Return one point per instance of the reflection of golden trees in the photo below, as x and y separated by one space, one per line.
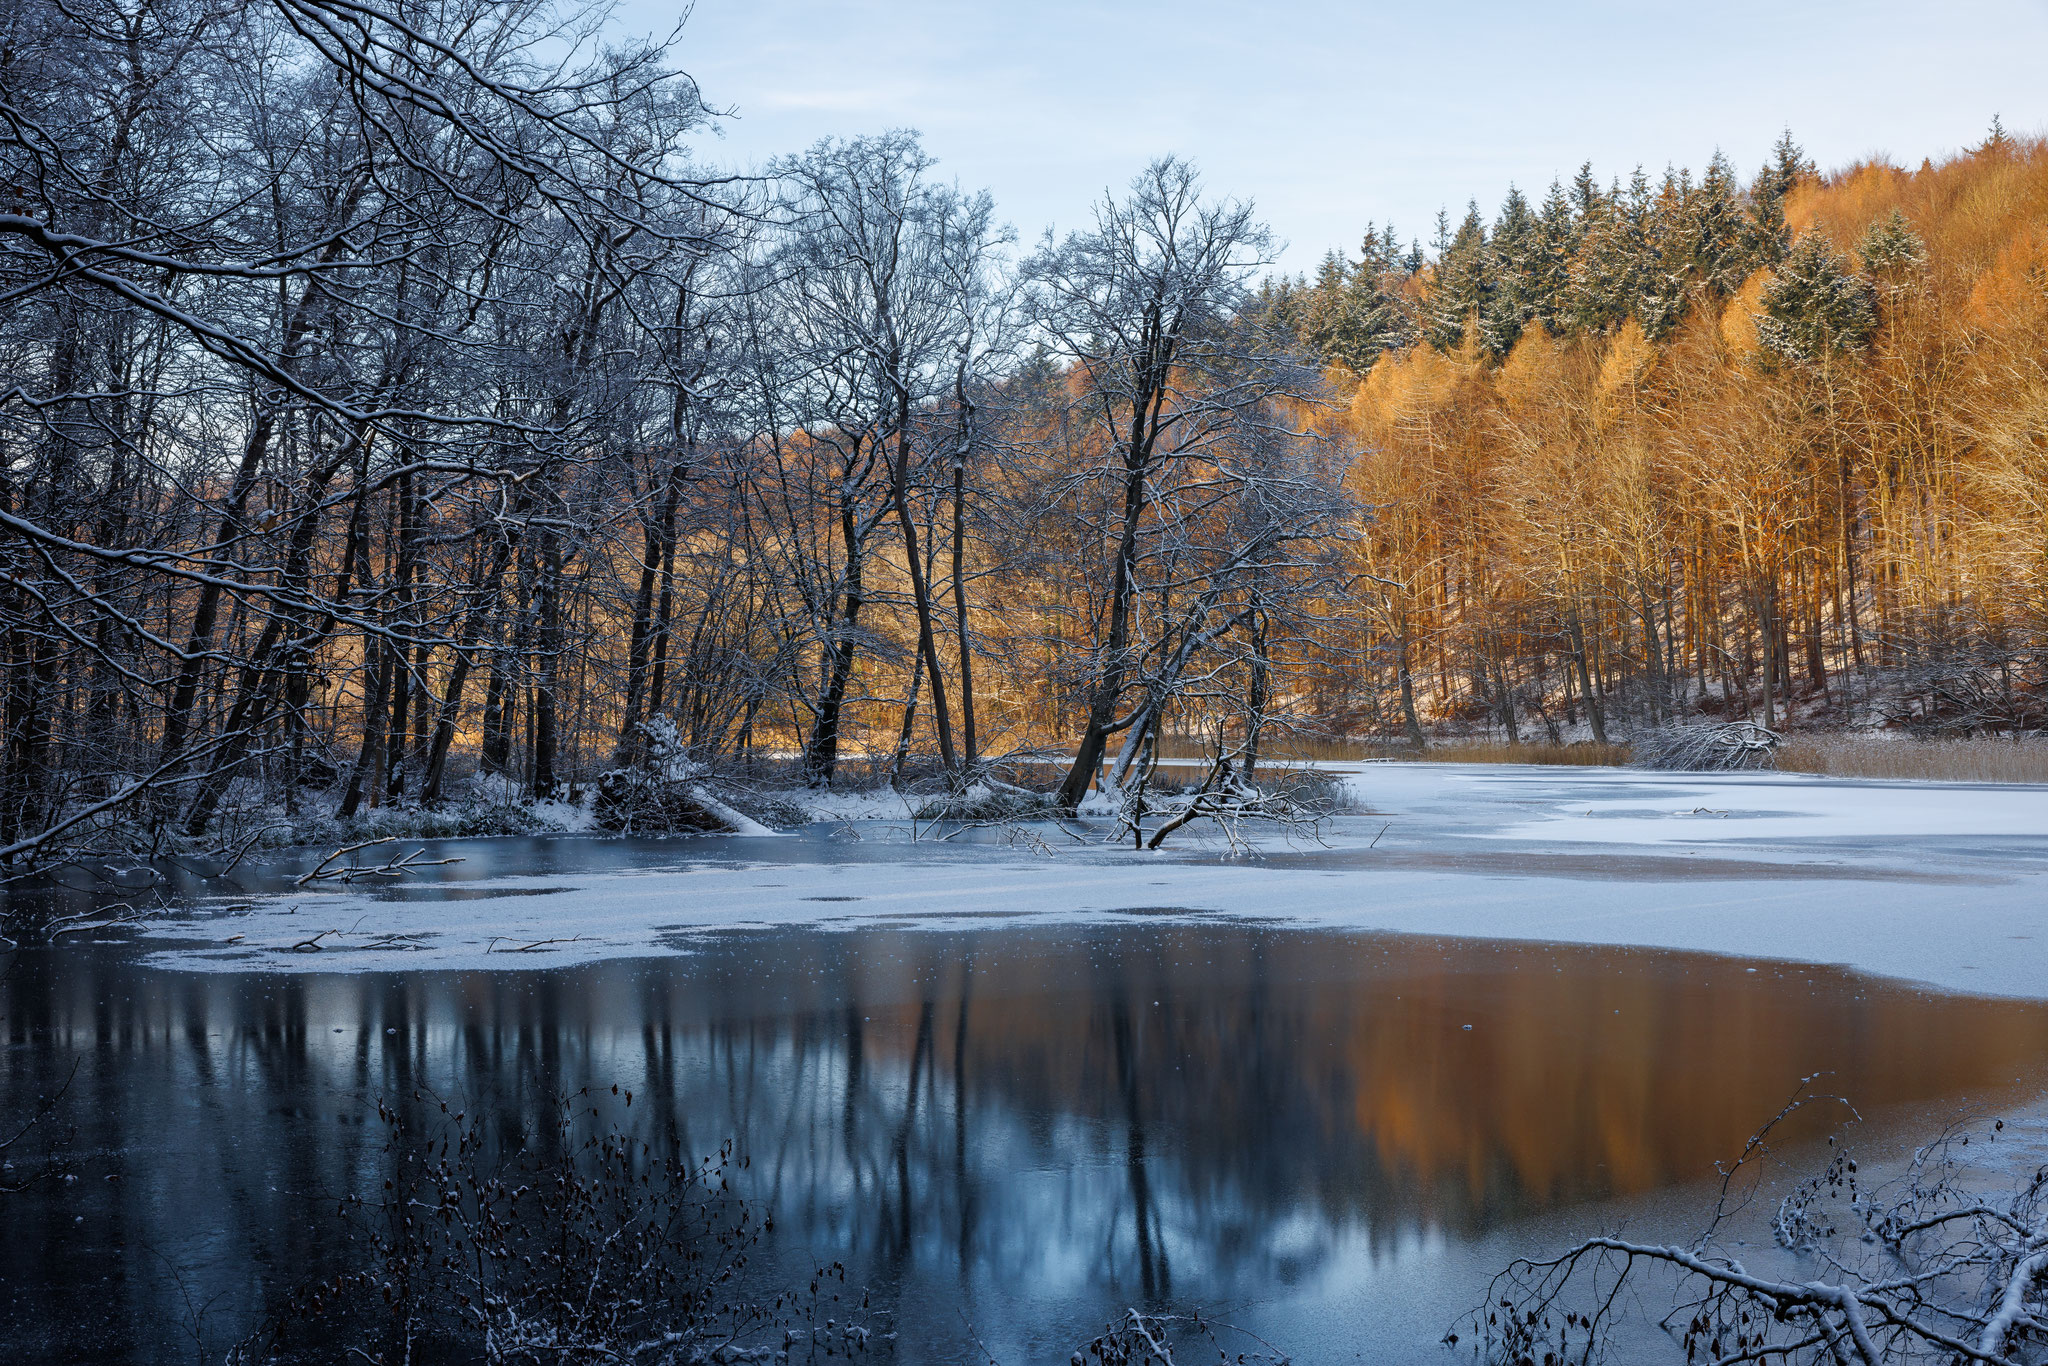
1149 1108
1345 1062
1601 520
1262 1067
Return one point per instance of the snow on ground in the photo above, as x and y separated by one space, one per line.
1626 807
1945 884
878 804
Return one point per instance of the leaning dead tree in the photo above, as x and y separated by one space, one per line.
1937 1265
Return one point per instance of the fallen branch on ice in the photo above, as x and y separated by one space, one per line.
323 872
492 947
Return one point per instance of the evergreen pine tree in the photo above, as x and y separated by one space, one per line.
1459 290
1323 327
1586 196
1351 313
1279 303
1716 240
1815 306
1662 279
1558 235
1789 162
1384 319
1891 252
1769 237
1514 269
1608 272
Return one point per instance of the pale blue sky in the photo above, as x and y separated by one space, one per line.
1330 115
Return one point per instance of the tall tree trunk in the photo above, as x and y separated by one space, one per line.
969 746
821 751
1409 718
920 589
1109 684
496 755
370 758
1768 629
902 754
1596 714
547 674
481 610
657 549
1258 693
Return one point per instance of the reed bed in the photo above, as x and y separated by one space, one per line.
2023 760
1296 750
2018 760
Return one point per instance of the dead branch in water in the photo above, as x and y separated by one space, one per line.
105 918
396 868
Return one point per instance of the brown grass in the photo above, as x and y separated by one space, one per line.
1969 761
1845 756
1299 750
1582 754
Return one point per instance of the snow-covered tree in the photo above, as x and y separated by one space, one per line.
1815 306
1460 285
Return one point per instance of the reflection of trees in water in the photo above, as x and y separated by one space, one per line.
1128 1115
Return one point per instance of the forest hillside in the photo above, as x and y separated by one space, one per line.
1678 446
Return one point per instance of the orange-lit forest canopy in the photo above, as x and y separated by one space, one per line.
1662 448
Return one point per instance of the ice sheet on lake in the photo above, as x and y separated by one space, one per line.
1940 883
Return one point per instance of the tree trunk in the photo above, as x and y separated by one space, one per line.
480 612
920 589
821 751
969 750
1109 684
1596 715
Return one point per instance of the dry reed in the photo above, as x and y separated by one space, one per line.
1857 756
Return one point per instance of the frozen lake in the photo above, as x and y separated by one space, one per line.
1321 1093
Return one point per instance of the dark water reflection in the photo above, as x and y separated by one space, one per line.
1017 1128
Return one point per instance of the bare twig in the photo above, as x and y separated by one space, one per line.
1926 1268
492 947
394 869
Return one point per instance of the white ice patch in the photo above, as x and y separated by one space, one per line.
1885 877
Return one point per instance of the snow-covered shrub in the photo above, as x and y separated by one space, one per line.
1313 789
1297 801
982 804
631 800
772 809
1729 747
